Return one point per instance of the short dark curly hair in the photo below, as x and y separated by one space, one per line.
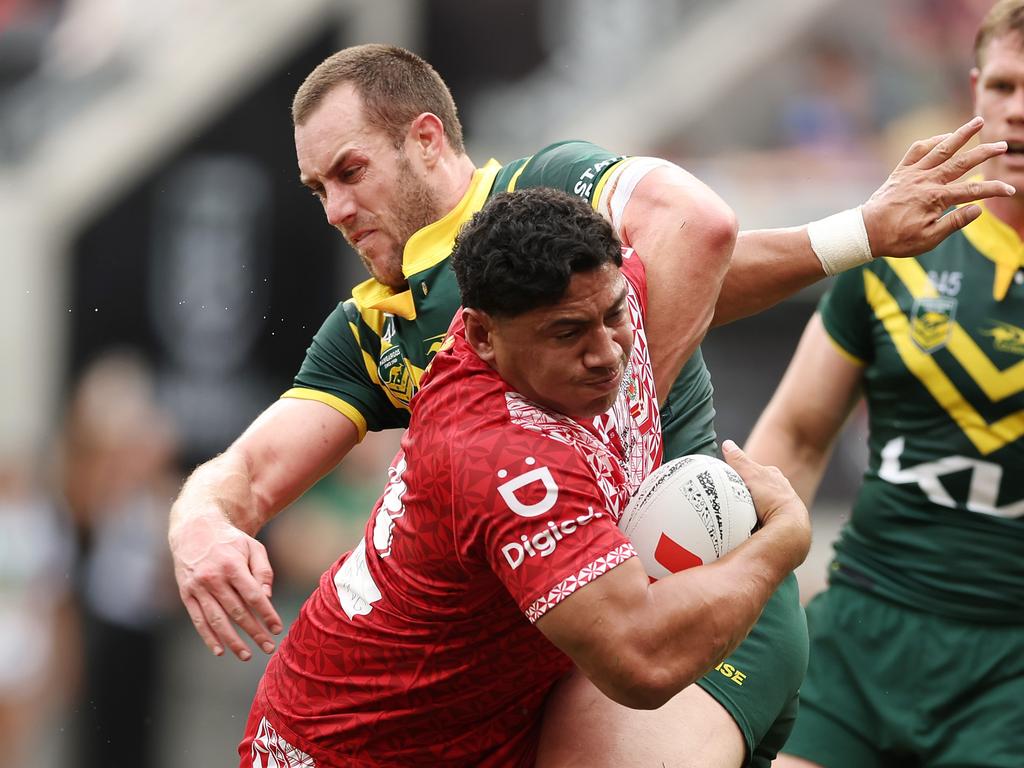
520 251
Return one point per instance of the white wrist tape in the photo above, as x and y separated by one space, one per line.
840 241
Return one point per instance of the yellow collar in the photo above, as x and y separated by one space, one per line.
999 243
373 295
427 247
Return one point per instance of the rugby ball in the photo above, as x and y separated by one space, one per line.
690 511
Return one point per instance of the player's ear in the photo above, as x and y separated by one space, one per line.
479 332
426 134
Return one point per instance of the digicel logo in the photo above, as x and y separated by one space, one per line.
530 494
543 542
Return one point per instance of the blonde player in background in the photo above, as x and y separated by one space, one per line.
917 646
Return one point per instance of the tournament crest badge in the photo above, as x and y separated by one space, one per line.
931 322
395 375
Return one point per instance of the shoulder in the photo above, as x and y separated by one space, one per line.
574 166
460 393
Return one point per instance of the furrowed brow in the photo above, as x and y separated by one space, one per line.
337 161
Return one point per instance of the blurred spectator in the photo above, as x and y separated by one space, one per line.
38 637
118 477
937 38
833 111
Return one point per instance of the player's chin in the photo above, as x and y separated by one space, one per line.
589 405
388 271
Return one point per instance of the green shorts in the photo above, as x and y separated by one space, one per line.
890 686
759 682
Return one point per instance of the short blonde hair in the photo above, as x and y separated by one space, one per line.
395 85
1005 17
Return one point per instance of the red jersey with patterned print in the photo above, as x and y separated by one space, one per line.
419 648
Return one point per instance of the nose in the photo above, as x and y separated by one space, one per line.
605 350
339 205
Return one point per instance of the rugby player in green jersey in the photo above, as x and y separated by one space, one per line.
917 645
379 144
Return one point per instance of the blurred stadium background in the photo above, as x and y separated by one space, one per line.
161 273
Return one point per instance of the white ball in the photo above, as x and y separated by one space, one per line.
690 511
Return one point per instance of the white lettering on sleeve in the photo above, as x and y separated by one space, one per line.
356 588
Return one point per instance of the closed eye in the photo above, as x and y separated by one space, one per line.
352 173
568 335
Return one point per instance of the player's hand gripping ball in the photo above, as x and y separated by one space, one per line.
690 511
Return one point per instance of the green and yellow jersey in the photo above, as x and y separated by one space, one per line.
367 359
938 524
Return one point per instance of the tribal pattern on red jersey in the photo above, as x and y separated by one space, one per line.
418 648
269 750
570 584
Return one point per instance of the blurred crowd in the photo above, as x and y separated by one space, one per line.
86 590
57 55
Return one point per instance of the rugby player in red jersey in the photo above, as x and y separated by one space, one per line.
492 562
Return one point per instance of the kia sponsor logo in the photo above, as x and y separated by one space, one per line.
545 541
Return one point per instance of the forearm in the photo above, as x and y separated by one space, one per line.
220 490
768 265
642 643
802 460
696 617
906 216
289 447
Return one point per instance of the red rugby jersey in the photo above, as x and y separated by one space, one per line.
418 647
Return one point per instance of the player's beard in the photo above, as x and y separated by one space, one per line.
415 206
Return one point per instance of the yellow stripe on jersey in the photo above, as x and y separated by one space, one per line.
374 318
595 200
999 243
986 437
515 176
345 409
843 352
369 362
996 384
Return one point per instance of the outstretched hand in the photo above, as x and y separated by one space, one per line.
907 215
